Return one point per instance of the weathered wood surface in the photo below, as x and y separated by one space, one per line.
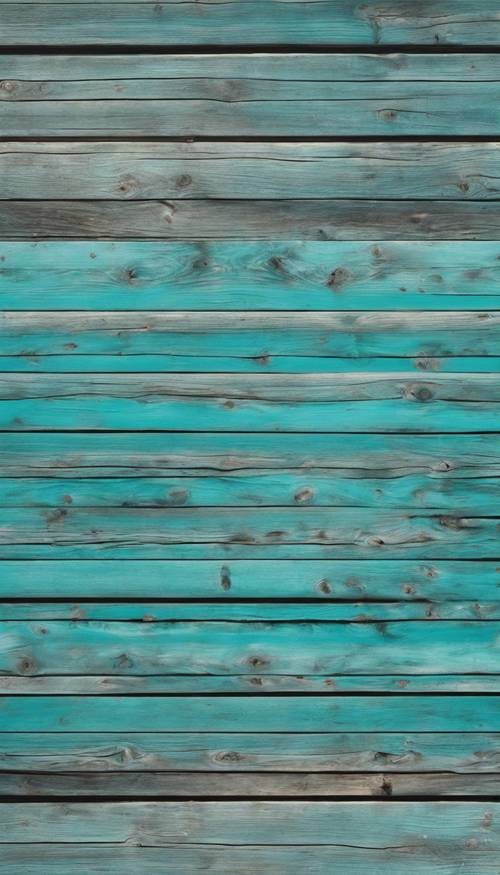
312 402
247 650
256 220
244 107
286 533
261 342
135 170
356 713
327 275
200 785
402 580
265 22
237 752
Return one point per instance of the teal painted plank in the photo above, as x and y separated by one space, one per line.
258 489
120 75
263 714
68 648
257 402
210 108
463 753
250 276
314 579
286 533
277 171
84 455
248 342
264 22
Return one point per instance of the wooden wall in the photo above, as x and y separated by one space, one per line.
249 344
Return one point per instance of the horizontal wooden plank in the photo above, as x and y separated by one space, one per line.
247 107
313 402
328 752
262 342
270 171
247 649
126 859
87 455
258 489
287 533
437 582
327 275
71 76
410 713
202 785
256 220
265 22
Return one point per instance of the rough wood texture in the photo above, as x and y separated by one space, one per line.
264 22
135 170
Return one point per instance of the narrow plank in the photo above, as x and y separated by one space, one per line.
328 752
200 785
410 713
312 402
207 107
86 455
286 533
436 581
327 275
213 341
243 220
266 22
276 647
458 494
273 171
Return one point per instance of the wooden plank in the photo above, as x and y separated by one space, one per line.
248 649
266 22
436 581
312 402
410 713
203 533
257 489
264 341
200 785
273 171
185 860
256 220
327 275
329 752
86 455
205 107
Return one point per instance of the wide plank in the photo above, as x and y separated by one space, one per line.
261 342
287 533
372 579
312 402
307 275
134 170
327 752
251 219
409 713
246 648
265 22
204 107
117 454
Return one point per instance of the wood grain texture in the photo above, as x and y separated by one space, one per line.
265 22
134 170
327 275
249 219
313 402
392 580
